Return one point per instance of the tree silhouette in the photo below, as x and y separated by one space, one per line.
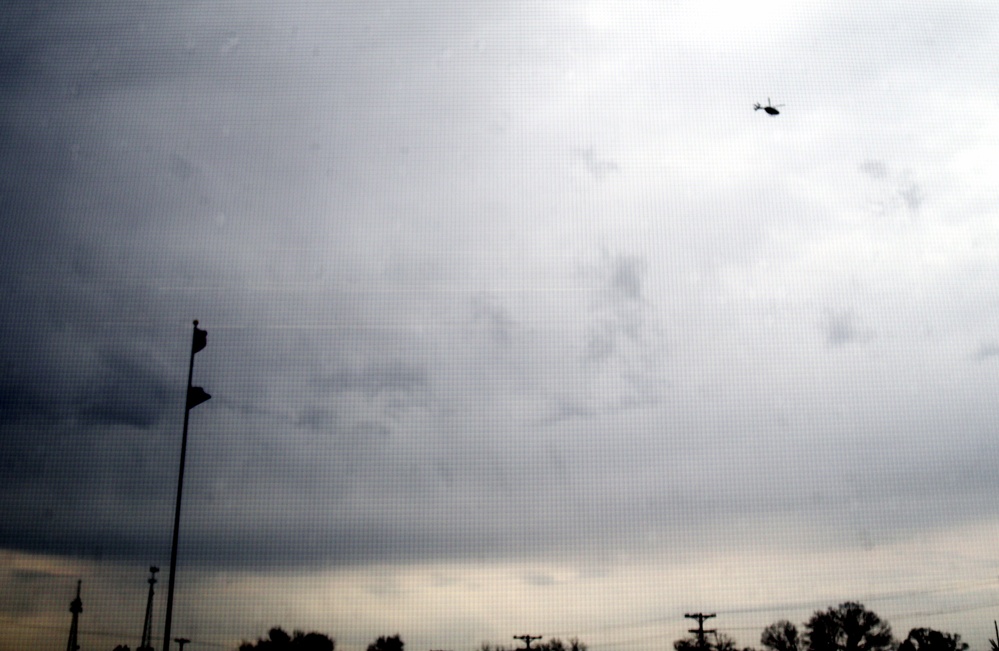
392 643
782 635
279 640
848 627
485 646
927 639
725 642
722 642
686 644
556 644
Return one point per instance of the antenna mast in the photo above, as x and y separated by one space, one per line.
147 626
75 607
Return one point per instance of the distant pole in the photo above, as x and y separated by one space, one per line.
181 641
700 617
195 396
147 624
75 607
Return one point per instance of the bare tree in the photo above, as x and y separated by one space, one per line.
782 635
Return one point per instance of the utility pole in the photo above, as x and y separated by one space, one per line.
195 396
527 639
700 617
181 641
147 625
75 607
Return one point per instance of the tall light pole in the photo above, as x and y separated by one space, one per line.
195 396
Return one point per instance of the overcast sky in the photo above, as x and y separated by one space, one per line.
520 318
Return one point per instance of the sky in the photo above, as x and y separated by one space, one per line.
520 319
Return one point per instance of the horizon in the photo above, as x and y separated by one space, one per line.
744 624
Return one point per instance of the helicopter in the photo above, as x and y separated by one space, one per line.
771 110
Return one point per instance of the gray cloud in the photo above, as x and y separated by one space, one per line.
626 279
842 328
874 168
597 166
912 194
987 350
393 377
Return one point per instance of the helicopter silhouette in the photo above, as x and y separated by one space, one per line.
771 110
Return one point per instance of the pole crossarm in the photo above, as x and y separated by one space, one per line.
527 639
700 631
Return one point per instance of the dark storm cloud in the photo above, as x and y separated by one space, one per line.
99 376
127 393
34 165
416 350
23 45
120 392
18 400
85 489
73 51
70 359
85 349
267 507
90 371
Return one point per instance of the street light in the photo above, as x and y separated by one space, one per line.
195 396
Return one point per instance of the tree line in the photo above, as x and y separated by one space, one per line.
846 627
278 640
